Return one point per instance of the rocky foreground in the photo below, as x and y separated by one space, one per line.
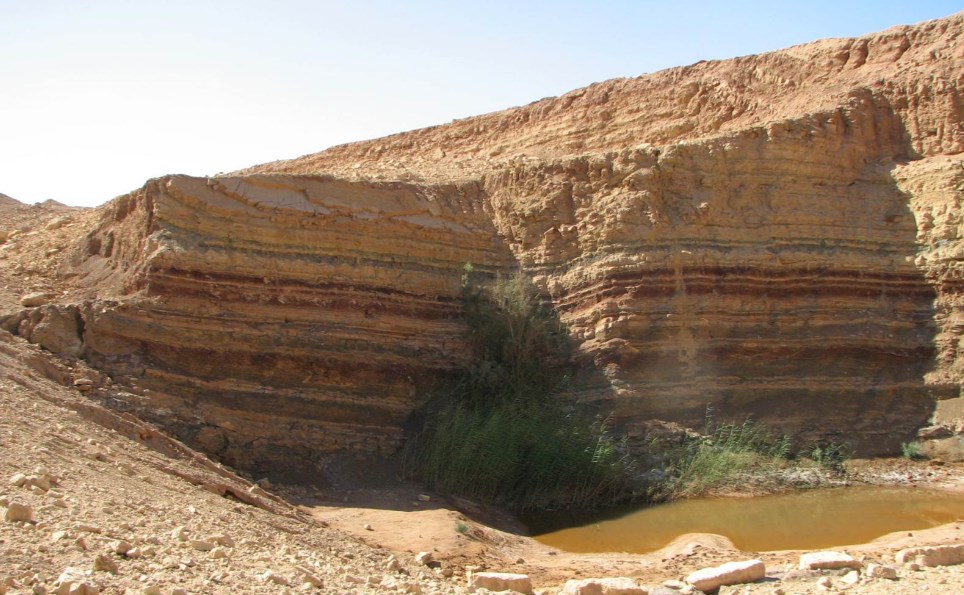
100 502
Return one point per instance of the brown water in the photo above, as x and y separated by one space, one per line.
811 519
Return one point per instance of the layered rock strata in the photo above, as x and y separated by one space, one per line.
276 318
774 236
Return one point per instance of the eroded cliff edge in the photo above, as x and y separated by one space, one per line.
775 235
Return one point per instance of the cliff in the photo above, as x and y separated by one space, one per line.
774 235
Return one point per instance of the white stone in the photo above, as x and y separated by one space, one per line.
18 512
500 581
731 573
936 555
120 547
73 581
603 586
18 479
828 560
880 571
851 578
424 558
36 299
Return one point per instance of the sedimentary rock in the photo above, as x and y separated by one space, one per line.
603 586
828 560
938 555
775 236
731 573
500 581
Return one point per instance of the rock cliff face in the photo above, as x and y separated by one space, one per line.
776 236
276 318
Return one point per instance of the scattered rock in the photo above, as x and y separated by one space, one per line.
73 581
392 564
310 578
57 223
731 573
18 512
938 555
851 578
880 571
202 545
83 384
120 547
103 563
424 558
603 586
269 576
500 581
180 533
824 583
828 560
32 300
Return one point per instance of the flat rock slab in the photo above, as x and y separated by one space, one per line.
603 586
828 560
937 555
731 573
500 581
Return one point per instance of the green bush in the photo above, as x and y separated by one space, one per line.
911 450
722 457
500 435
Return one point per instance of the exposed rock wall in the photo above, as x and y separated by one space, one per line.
775 236
270 319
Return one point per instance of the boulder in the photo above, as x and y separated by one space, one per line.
603 586
58 331
880 571
731 573
828 560
18 513
937 555
500 581
37 298
73 581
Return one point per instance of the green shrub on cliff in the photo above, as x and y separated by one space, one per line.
501 435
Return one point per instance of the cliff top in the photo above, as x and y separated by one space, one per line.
679 104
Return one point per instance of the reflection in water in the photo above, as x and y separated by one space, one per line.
800 520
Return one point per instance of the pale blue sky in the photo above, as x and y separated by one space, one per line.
99 95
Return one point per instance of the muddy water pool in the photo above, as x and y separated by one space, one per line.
812 519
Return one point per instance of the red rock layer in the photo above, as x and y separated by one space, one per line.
276 319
